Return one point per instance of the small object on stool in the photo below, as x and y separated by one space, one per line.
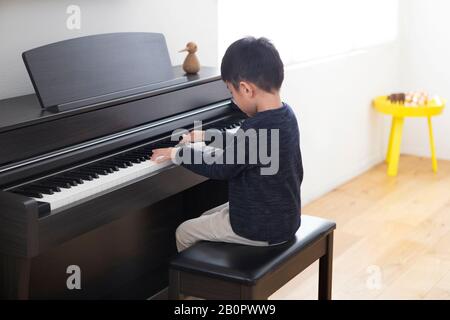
216 270
397 98
191 65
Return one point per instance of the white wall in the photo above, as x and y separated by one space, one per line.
341 135
25 24
425 64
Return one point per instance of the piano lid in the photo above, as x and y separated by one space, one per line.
95 69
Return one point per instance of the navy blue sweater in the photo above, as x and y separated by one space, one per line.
263 207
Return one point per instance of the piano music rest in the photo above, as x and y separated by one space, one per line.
216 270
98 69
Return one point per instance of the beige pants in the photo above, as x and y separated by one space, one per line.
213 225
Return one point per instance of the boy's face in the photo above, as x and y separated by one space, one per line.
244 97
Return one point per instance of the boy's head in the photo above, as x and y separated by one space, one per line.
252 68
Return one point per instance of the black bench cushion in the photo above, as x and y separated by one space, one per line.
246 264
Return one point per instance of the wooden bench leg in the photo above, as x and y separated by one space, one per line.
326 270
174 285
251 293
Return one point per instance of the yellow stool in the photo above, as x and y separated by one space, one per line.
398 113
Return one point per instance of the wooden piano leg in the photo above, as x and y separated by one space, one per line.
14 277
174 285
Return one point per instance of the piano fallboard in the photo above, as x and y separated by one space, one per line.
26 132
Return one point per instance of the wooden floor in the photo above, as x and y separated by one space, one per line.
392 239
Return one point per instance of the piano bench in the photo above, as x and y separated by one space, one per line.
215 270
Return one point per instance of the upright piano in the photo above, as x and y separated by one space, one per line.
77 186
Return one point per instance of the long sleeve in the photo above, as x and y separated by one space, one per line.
216 163
226 136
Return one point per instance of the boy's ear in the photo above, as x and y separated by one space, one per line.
246 88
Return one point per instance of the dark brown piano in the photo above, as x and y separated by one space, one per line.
77 187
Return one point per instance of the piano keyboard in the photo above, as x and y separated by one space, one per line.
81 184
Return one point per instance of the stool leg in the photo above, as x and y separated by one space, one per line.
326 270
391 134
394 156
174 285
432 146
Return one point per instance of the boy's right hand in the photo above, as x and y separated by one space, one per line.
193 136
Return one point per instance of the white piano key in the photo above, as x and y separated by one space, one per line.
233 131
105 183
69 197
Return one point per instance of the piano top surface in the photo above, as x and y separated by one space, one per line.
25 110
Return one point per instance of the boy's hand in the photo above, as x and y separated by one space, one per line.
163 155
193 136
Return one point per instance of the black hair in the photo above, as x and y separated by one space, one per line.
253 60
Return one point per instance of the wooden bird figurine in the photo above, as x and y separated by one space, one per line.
191 65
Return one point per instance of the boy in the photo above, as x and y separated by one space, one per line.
263 209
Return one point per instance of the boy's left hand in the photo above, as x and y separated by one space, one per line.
162 155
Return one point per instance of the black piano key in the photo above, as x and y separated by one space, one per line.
137 154
120 164
131 159
85 172
110 168
122 157
141 155
61 182
83 176
73 181
149 153
104 165
145 158
137 158
96 169
44 190
101 171
147 149
167 144
127 163
97 165
82 170
31 194
116 165
78 177
47 185
151 147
